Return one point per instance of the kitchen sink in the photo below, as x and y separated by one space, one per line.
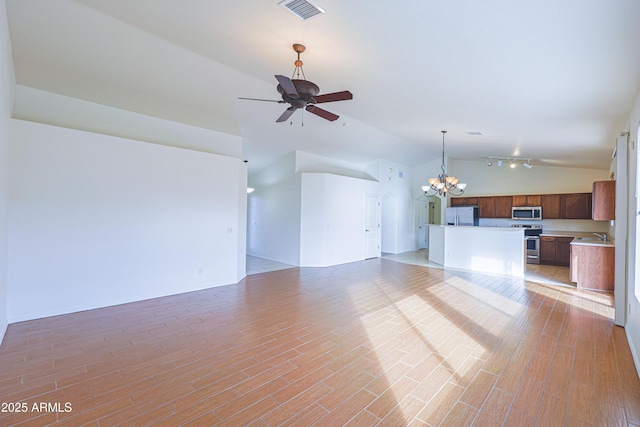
588 239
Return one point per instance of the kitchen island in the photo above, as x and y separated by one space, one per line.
497 250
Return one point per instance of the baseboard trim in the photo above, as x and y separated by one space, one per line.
634 352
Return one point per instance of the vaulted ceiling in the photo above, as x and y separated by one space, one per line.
550 80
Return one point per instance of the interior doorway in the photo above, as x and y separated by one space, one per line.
427 212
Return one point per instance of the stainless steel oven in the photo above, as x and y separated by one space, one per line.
533 249
532 239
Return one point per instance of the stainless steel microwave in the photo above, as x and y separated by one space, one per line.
530 213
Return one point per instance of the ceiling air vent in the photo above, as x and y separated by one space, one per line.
303 9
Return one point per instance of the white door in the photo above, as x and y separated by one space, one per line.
372 226
423 224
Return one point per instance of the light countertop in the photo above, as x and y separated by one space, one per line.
577 235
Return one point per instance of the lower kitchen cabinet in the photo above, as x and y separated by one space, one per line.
555 250
592 267
547 250
563 250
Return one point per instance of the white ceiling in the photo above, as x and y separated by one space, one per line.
549 80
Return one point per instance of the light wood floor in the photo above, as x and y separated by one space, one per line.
367 343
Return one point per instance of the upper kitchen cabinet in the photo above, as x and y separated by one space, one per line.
574 206
502 206
550 206
528 200
464 201
486 207
604 200
495 207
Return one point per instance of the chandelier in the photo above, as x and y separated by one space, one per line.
444 184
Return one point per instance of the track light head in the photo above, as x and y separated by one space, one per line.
489 162
499 162
528 164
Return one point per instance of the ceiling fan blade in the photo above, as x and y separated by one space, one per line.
266 100
345 95
287 113
288 86
322 113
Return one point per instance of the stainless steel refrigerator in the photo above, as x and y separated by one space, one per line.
463 215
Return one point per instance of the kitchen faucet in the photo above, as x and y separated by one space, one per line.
602 236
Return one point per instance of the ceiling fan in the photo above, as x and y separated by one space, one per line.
301 93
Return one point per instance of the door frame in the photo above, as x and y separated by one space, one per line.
378 230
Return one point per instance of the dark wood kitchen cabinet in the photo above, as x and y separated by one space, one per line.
574 206
486 207
502 206
494 207
604 200
527 200
547 249
550 206
554 206
563 250
464 201
555 250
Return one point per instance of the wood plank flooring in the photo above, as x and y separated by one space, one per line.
369 343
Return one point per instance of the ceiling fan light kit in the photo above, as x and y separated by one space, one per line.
301 93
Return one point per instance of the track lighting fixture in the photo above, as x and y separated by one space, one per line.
513 161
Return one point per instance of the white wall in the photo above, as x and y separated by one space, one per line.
273 228
96 220
483 180
313 163
36 105
7 84
397 208
276 213
332 219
